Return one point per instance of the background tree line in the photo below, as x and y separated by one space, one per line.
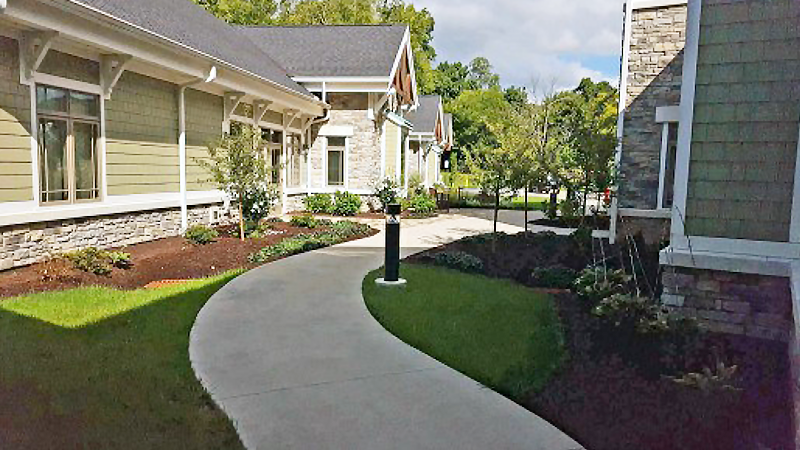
564 140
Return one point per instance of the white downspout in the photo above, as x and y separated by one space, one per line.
212 75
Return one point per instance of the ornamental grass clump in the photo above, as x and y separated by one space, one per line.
461 261
301 243
200 234
97 261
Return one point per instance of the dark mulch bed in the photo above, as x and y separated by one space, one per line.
595 222
605 400
172 258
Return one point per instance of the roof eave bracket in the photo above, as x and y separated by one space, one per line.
33 47
111 69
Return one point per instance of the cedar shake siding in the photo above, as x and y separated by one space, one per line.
15 137
745 127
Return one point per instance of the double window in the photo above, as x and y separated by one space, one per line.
68 129
273 140
337 149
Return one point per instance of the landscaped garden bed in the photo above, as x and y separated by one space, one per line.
172 258
632 377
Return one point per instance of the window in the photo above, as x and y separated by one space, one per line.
68 129
274 145
336 155
669 151
295 161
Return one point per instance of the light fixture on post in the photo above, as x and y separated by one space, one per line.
391 275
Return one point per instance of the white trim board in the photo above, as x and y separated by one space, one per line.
336 130
621 107
760 265
646 213
668 114
745 247
794 227
29 212
686 117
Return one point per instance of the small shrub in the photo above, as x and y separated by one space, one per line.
120 260
274 220
200 234
259 230
259 200
386 191
318 203
583 239
340 232
596 283
346 204
90 259
304 221
461 261
719 379
422 204
557 277
627 312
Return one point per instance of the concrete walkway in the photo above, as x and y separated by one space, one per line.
292 355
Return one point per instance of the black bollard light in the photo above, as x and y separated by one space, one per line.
392 258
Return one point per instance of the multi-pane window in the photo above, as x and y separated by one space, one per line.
273 141
68 129
336 153
295 162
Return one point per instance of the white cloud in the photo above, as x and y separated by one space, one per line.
554 42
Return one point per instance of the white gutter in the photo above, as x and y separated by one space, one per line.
212 75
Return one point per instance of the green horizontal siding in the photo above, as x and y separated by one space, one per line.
16 182
204 115
745 130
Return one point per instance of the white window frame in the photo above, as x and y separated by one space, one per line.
345 174
72 85
666 116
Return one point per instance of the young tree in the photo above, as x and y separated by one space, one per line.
236 163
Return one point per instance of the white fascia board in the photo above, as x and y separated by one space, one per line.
365 79
648 4
28 212
96 29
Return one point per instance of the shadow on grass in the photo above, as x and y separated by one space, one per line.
124 381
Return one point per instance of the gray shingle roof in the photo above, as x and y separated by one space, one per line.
337 50
424 117
184 22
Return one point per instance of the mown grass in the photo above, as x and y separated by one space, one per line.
498 333
115 364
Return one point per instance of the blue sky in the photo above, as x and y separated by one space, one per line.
550 44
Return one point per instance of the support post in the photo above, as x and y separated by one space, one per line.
392 257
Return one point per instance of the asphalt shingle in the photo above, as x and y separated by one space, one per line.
424 117
330 50
188 24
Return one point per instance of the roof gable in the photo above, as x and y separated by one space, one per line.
190 25
331 50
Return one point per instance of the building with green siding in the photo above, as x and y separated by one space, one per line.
718 168
106 106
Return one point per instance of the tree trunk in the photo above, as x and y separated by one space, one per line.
526 209
241 219
496 208
553 208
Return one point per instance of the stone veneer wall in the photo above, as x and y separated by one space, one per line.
21 245
653 230
655 68
754 305
364 161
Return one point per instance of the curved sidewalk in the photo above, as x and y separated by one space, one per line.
292 355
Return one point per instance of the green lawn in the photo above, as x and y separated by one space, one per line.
499 333
101 368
